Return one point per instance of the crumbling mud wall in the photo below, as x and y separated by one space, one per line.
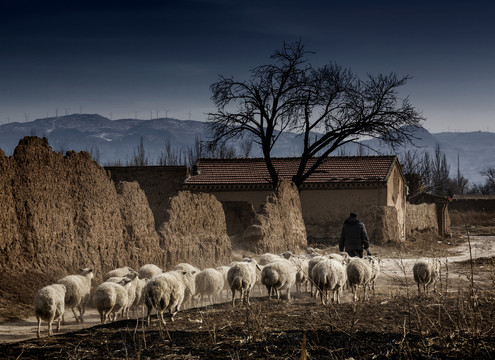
386 226
381 224
60 213
141 242
195 229
421 219
279 225
159 183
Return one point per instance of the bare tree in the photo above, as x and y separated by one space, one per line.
246 148
139 158
489 186
441 182
94 151
289 94
170 155
417 170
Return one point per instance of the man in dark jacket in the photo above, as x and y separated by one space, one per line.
354 238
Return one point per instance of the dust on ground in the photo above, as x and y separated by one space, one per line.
394 323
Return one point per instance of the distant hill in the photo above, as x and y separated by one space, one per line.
112 141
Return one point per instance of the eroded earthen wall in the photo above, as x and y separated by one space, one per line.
279 226
194 229
60 213
159 183
421 218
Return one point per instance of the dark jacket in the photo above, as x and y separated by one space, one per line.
353 236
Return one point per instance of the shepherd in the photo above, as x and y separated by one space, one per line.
354 238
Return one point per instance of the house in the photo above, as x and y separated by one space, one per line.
372 186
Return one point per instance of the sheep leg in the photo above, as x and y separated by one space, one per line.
81 312
102 316
149 314
39 327
50 332
58 323
161 318
233 297
246 296
75 315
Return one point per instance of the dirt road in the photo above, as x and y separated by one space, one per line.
391 269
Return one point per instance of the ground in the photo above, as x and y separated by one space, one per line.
394 323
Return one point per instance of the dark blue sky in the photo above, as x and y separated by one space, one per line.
125 58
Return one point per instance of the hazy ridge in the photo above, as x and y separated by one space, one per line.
117 140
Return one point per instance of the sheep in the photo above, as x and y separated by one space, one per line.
311 264
360 273
301 263
426 273
329 275
77 292
111 298
210 283
267 258
242 277
224 270
139 299
148 271
131 290
189 281
279 275
375 274
49 305
343 257
164 292
119 272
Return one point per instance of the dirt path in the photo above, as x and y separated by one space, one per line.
391 270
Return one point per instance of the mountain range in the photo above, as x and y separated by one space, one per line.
113 142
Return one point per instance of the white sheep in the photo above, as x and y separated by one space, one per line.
329 275
267 258
426 273
375 273
301 262
111 298
131 289
119 272
360 272
224 270
342 257
189 281
49 305
210 283
242 277
311 264
78 288
148 271
164 292
139 299
279 275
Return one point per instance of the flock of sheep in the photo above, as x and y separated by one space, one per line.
125 290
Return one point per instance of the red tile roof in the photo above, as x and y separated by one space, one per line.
336 169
